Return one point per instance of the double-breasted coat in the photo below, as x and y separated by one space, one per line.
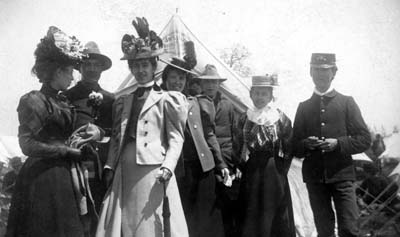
134 201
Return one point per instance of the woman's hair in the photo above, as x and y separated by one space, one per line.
152 60
49 58
169 69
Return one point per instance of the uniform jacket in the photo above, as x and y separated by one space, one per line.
225 120
160 129
202 128
330 116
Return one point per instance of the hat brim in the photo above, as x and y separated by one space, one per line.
273 86
143 55
180 68
210 78
106 61
325 66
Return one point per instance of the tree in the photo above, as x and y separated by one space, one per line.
235 57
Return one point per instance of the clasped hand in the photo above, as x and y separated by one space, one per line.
325 145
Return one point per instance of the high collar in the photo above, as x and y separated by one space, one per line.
331 93
330 89
49 91
148 84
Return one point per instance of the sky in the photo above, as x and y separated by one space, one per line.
281 35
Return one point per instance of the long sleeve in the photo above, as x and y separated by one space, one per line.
207 111
175 116
299 133
238 141
115 133
358 138
32 114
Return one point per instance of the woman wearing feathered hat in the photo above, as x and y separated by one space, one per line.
49 200
146 142
201 154
263 144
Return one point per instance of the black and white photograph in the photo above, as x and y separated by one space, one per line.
212 118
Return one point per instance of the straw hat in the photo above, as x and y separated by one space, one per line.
265 81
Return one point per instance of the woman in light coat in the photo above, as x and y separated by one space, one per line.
147 138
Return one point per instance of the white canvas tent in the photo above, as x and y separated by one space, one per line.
174 34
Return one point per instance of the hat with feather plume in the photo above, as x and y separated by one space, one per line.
188 62
147 45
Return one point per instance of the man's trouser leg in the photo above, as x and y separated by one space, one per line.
321 205
346 208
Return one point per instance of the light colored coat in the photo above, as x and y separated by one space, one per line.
160 129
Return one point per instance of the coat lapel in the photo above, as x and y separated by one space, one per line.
154 97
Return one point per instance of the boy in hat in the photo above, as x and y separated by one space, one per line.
225 121
328 129
93 108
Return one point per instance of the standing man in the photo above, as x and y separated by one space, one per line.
97 109
225 121
328 129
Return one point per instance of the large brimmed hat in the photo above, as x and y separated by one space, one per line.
147 45
323 60
58 47
93 51
265 81
210 73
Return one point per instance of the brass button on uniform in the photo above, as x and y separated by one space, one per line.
322 124
322 110
195 126
190 113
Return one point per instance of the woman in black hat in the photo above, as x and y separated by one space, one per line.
45 201
201 155
263 144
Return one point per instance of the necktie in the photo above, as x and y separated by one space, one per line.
140 90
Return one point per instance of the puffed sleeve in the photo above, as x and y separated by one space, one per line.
175 116
32 113
207 112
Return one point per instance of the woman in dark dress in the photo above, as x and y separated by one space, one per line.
46 200
263 144
200 159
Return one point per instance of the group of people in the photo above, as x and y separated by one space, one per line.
103 166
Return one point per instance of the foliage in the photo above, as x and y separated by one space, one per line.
235 57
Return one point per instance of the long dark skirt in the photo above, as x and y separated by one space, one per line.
265 199
197 190
44 202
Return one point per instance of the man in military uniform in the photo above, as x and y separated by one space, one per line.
97 109
225 122
328 129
